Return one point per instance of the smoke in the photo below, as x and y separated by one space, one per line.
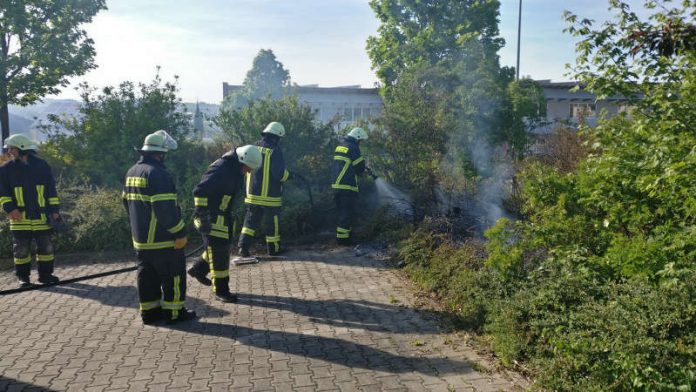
486 183
496 173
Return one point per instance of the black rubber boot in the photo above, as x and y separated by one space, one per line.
49 279
344 241
243 252
24 281
273 252
226 297
152 316
199 276
182 315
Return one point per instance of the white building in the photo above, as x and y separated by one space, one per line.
566 107
349 103
352 103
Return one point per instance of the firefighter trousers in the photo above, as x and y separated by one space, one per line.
216 260
257 216
346 203
162 281
21 249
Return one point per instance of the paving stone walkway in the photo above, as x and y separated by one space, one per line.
322 320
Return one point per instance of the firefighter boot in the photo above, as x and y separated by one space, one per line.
24 281
222 290
344 241
243 252
274 249
182 314
46 272
199 274
226 296
23 271
49 279
152 316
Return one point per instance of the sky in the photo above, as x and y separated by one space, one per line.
208 42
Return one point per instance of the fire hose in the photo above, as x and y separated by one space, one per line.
84 277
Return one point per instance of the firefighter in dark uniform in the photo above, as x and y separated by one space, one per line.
212 198
264 188
28 195
347 165
159 233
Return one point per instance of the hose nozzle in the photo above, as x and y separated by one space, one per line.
371 173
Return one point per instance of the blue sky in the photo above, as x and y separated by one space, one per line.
206 42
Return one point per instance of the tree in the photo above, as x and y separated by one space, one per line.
266 78
430 32
41 45
97 145
444 86
307 146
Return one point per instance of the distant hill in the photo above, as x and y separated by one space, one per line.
26 119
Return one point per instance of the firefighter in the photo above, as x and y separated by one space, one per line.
159 233
212 199
28 195
264 188
347 164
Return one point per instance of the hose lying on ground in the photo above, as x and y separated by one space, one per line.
84 277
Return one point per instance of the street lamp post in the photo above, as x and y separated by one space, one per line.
519 30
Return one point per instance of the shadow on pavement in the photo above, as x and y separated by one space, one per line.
341 352
371 316
10 384
123 296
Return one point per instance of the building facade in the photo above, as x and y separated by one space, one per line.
564 106
347 103
352 103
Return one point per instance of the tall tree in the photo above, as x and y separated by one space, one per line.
266 78
41 45
430 32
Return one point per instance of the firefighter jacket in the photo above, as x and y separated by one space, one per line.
149 196
264 186
347 164
214 193
30 188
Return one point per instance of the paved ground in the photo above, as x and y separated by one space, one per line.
321 320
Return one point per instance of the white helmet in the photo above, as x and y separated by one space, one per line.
249 156
358 133
275 128
159 141
20 141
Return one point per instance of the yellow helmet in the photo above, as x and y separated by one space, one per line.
275 128
20 141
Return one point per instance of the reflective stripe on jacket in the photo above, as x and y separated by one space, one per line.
347 164
30 188
264 186
214 193
149 196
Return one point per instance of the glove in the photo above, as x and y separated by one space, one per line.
370 173
180 243
56 222
202 223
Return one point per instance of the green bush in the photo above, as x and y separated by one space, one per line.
95 217
638 338
96 220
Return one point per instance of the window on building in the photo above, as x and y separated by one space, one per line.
583 110
348 114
